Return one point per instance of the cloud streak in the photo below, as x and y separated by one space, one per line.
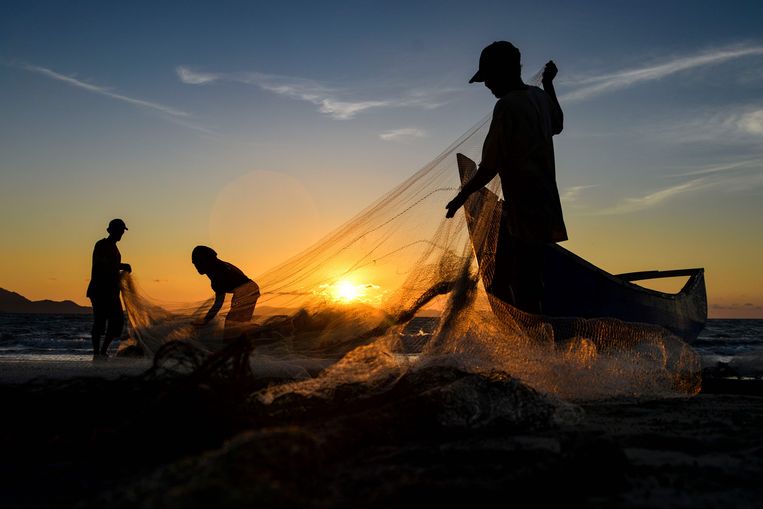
194 78
652 199
732 125
735 177
403 134
572 194
756 163
174 115
751 122
327 99
106 91
596 85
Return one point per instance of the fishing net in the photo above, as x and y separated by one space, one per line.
398 288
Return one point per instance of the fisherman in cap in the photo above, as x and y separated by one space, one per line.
103 290
519 148
226 278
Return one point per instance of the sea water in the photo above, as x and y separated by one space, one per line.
67 338
45 337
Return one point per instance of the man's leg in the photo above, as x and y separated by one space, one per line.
241 310
504 269
116 323
99 326
518 276
107 339
528 276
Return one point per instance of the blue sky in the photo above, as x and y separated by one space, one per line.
140 109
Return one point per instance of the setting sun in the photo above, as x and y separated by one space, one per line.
345 291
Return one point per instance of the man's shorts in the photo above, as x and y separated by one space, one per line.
518 277
107 308
243 302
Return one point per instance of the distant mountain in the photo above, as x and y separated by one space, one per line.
12 302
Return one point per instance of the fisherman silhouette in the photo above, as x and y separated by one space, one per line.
103 290
226 278
519 148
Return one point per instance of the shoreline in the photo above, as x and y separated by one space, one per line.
15 371
19 371
439 436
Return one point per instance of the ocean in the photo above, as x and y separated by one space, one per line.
42 337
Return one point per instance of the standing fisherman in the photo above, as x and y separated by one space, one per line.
103 290
520 149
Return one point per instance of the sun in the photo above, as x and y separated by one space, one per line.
346 291
349 291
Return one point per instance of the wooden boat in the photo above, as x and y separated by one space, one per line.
575 288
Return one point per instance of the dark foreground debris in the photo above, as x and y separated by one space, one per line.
437 436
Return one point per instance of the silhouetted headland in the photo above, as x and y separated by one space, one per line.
12 302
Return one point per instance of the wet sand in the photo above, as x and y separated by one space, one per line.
440 437
21 371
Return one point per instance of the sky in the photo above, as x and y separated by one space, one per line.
189 119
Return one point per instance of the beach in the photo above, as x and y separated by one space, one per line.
21 370
437 436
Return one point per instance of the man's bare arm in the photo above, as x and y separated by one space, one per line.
557 116
478 181
219 299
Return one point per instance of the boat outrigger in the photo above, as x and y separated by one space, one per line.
575 288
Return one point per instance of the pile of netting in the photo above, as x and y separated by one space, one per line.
398 288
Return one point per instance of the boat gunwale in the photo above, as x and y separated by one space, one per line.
685 292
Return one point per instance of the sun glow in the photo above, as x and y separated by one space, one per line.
346 291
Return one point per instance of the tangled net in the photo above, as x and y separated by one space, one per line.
397 288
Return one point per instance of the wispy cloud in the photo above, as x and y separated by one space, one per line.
194 78
635 204
735 177
756 163
572 194
331 101
596 85
403 134
106 91
171 114
737 125
751 122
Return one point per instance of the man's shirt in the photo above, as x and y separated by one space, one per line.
519 146
226 277
104 277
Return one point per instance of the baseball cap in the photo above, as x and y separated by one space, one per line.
117 224
498 56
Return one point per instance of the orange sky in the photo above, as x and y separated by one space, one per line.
202 131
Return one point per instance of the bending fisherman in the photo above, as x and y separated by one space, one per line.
226 278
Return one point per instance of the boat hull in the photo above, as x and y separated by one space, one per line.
575 288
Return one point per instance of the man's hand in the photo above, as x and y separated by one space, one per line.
454 204
550 71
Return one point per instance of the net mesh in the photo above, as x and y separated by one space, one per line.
398 288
